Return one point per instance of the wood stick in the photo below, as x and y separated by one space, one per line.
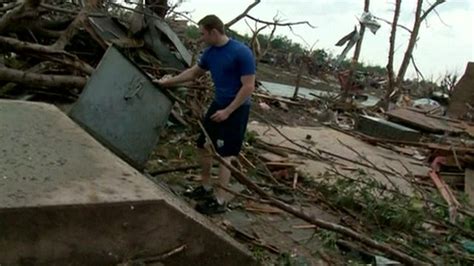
158 257
177 169
276 99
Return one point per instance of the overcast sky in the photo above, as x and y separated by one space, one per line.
446 43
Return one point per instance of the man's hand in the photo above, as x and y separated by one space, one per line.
163 81
220 115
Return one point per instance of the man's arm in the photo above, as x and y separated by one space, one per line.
248 86
187 75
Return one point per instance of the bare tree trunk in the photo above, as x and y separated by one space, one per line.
413 37
393 33
269 42
41 80
411 43
298 81
358 47
357 50
255 43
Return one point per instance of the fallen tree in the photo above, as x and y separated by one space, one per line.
41 80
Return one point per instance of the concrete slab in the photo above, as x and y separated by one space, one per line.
327 139
66 199
381 128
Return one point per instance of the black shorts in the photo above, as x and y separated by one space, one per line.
228 135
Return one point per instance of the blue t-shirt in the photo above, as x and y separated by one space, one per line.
227 64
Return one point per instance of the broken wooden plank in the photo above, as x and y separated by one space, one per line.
469 184
277 150
271 157
246 161
275 98
423 122
282 164
446 193
262 208
304 226
428 145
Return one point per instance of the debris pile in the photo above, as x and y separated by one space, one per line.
325 178
361 185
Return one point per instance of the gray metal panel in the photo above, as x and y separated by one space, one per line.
107 28
153 41
122 108
183 51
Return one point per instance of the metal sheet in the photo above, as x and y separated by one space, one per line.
122 108
161 50
165 28
107 28
153 40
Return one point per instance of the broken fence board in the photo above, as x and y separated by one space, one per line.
469 185
423 122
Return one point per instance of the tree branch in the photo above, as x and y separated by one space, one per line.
46 32
269 41
390 23
416 67
280 24
41 80
59 9
42 51
239 17
9 7
431 8
71 30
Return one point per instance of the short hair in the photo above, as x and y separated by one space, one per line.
211 22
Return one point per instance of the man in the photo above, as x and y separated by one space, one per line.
232 68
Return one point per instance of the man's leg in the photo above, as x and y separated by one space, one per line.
224 178
206 165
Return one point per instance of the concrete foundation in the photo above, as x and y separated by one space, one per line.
67 200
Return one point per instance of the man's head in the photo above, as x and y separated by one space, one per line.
212 29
